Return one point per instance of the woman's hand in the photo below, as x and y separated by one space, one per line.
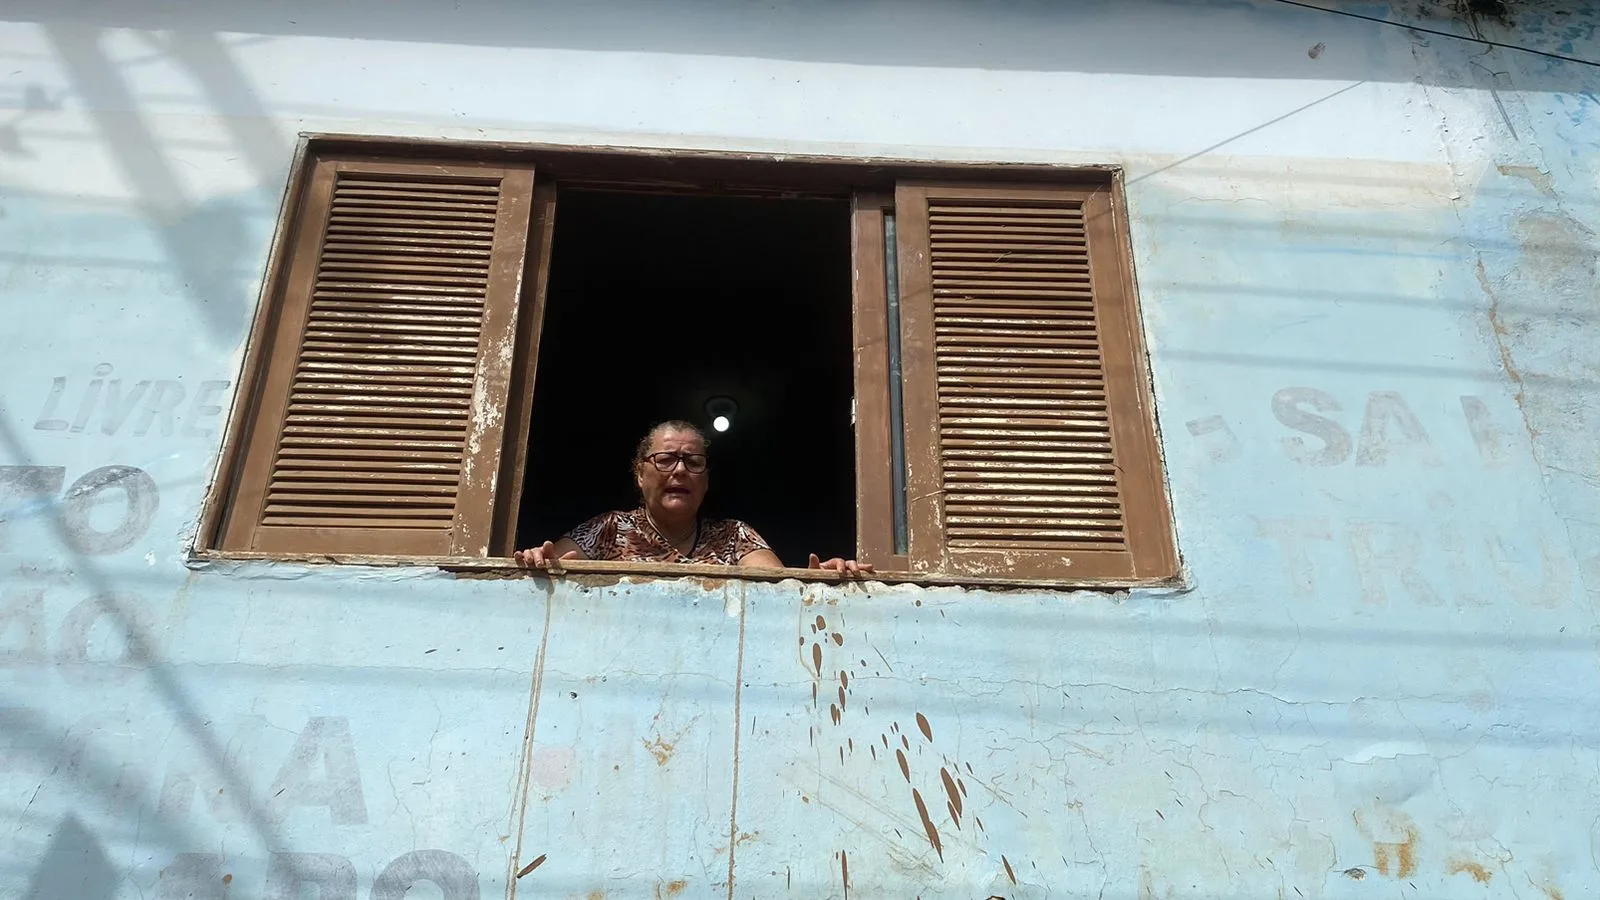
544 556
843 566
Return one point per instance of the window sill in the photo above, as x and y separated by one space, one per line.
604 572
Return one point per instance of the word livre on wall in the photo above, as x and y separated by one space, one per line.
107 404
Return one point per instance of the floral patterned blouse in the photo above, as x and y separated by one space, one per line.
630 536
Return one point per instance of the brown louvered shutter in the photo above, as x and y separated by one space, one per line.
378 428
1030 437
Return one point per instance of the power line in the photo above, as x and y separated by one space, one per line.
1251 130
1460 37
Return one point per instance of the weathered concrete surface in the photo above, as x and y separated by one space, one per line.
1367 260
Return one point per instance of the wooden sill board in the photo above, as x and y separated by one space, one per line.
589 571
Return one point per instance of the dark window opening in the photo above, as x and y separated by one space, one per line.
658 303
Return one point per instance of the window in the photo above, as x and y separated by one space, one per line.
442 363
657 303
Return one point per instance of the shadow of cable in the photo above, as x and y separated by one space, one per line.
206 242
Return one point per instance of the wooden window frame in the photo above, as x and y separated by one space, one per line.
869 183
875 541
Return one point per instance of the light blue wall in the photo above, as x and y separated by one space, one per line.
1367 261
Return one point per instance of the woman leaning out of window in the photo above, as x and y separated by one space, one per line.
671 471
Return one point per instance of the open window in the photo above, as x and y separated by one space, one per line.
659 304
941 376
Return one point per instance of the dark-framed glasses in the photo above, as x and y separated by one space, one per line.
668 460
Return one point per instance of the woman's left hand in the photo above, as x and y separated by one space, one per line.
843 566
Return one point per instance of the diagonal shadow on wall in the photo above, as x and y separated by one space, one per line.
74 867
93 775
209 244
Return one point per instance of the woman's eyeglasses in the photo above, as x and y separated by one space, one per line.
666 461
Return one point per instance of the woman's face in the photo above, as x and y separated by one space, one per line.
676 493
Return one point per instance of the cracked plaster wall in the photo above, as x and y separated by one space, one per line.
1367 263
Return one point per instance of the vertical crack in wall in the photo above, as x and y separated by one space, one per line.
525 774
1498 331
738 684
1542 254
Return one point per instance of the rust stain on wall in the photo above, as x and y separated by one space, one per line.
1468 867
659 749
1399 856
1394 842
1405 853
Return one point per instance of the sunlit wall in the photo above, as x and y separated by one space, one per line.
1366 257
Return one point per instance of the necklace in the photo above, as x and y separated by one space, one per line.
661 532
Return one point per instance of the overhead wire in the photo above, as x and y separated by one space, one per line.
1441 33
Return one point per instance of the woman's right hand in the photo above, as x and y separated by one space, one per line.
543 556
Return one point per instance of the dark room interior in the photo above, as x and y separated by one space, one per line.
658 303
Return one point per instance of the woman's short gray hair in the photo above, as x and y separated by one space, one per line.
669 425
